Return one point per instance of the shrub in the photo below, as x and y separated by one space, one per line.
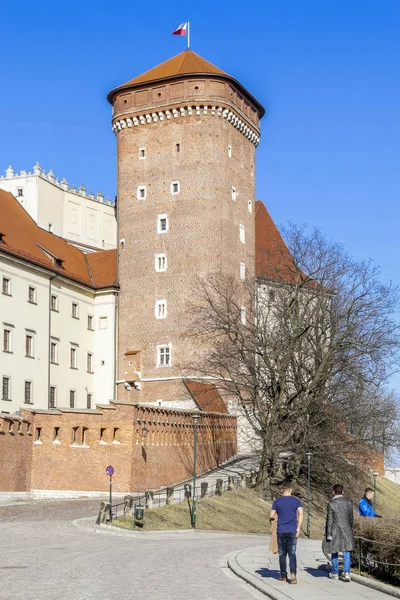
378 559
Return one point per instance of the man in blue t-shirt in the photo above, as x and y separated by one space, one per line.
290 517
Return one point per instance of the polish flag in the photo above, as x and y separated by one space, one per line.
181 29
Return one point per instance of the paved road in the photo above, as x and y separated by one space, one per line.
44 556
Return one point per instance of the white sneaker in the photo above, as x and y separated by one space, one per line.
334 576
347 577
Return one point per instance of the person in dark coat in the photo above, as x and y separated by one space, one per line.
339 531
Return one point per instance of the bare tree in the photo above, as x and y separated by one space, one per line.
305 349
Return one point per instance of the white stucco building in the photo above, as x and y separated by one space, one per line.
84 219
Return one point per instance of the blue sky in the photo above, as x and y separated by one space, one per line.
326 70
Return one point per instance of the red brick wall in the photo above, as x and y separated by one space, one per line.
15 454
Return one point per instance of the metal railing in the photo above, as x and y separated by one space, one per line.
369 563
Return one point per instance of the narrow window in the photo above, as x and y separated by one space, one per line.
116 435
72 398
50 227
102 435
6 388
7 340
89 362
84 436
103 322
142 152
175 188
6 286
29 346
161 263
73 358
75 435
54 303
242 233
56 434
161 309
162 224
88 400
32 295
20 192
28 392
250 206
229 151
38 433
52 399
54 353
141 192
164 356
177 148
75 310
242 271
243 315
90 322
234 193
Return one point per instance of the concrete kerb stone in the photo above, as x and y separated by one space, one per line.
371 583
261 586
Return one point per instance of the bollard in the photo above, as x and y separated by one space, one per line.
170 495
149 498
188 490
243 482
204 489
230 484
218 487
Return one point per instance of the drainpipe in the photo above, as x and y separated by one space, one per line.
115 362
49 344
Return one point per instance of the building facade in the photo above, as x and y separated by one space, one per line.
83 218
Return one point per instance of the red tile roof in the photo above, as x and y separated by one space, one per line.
24 238
273 259
206 396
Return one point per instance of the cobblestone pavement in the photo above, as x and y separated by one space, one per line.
45 557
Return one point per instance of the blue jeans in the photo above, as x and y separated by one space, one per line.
335 562
287 543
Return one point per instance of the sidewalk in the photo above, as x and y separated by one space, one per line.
259 567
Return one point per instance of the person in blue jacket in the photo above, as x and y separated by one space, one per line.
366 506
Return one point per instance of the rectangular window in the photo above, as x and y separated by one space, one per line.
234 193
243 315
56 434
230 151
54 303
38 433
90 322
6 388
141 192
52 398
32 295
242 233
6 286
75 310
72 398
73 358
242 271
142 152
161 263
250 206
175 188
7 340
28 392
20 192
103 322
88 400
54 353
162 224
161 309
89 362
29 346
164 356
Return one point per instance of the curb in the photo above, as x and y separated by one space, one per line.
261 586
371 583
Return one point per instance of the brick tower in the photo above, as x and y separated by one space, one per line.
186 139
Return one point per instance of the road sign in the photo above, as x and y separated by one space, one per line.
110 470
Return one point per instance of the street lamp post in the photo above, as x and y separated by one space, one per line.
375 476
309 455
193 515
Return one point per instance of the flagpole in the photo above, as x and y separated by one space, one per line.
188 34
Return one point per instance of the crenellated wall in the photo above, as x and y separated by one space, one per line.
15 454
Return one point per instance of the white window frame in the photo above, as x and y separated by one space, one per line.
234 193
53 296
53 387
18 192
140 189
90 325
229 151
160 349
31 344
30 401
250 206
75 309
55 345
10 339
142 150
74 397
160 309
73 357
242 271
34 295
178 185
160 262
89 362
243 315
159 219
242 233
9 387
89 395
6 286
